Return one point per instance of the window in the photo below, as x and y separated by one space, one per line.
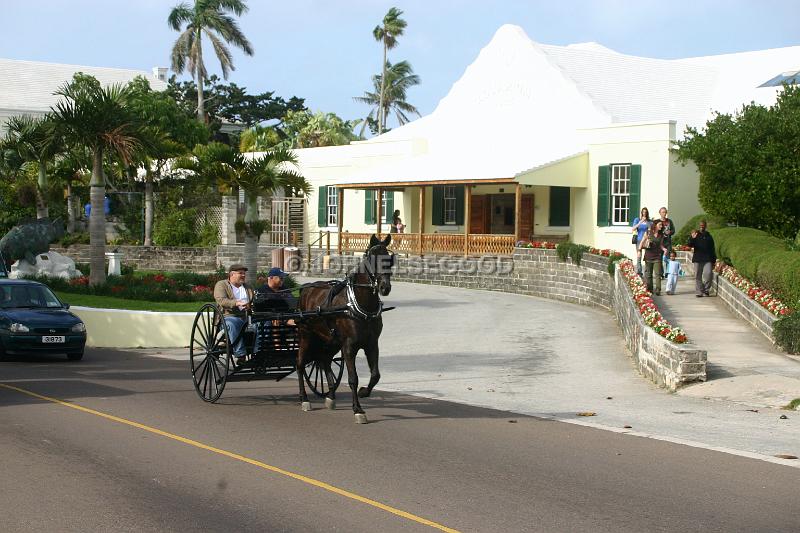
371 206
333 207
620 194
449 204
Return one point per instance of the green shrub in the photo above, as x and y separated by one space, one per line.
763 259
713 222
208 235
74 238
787 332
570 249
176 228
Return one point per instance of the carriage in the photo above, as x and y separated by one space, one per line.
271 341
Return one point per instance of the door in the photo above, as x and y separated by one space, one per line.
479 214
525 230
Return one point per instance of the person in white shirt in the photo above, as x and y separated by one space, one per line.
673 271
234 296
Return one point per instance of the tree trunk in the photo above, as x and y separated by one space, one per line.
97 222
148 209
70 209
250 240
41 189
381 117
201 105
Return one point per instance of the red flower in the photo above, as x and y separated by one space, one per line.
116 288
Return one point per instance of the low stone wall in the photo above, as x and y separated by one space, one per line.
663 362
537 272
744 307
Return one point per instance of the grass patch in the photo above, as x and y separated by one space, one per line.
110 302
793 405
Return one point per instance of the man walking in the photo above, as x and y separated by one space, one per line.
704 257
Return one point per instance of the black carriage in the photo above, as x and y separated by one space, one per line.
271 342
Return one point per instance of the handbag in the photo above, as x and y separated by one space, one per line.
635 239
645 244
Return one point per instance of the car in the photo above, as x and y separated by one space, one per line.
34 321
3 271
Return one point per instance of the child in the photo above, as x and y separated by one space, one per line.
673 271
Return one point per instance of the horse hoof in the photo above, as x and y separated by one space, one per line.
361 418
363 392
330 403
305 406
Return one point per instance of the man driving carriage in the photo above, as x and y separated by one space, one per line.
234 296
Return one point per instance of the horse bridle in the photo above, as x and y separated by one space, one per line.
352 302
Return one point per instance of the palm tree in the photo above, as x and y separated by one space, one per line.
35 140
100 119
209 17
399 78
71 167
392 28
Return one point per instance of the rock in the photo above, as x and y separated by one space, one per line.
50 264
587 413
785 456
627 427
784 417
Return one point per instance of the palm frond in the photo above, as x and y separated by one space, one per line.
223 53
179 15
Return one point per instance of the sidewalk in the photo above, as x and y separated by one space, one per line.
743 366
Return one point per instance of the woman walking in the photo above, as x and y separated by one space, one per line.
653 246
640 226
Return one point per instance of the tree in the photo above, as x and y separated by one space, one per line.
748 164
387 34
212 19
100 119
35 140
399 78
173 134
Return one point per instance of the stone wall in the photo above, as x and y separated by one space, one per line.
663 362
742 306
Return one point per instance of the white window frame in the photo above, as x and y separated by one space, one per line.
620 196
449 208
387 218
332 207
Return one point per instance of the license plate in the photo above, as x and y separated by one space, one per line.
53 339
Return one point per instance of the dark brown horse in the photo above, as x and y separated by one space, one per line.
357 327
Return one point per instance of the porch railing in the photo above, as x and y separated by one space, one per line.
434 243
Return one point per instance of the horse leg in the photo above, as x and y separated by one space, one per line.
330 397
305 405
374 374
349 354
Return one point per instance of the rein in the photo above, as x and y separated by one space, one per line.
352 301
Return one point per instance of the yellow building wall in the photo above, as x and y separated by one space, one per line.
684 186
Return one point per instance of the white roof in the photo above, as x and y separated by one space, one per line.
520 103
29 85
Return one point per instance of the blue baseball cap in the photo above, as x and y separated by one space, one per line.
276 271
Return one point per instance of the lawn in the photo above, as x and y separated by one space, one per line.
110 302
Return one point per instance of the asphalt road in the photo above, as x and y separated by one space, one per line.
254 462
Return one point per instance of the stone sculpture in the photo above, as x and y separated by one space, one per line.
26 241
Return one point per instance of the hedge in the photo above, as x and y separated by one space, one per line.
765 260
712 222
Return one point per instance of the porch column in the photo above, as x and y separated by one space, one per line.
421 216
467 209
378 213
517 211
339 217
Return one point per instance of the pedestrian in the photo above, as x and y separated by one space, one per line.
234 296
703 257
673 271
669 231
653 246
639 227
397 223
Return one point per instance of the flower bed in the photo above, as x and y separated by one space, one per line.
763 297
537 244
647 307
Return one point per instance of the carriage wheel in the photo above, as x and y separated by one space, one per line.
209 353
315 376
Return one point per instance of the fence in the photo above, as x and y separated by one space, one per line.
435 243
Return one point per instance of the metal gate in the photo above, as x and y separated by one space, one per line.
288 215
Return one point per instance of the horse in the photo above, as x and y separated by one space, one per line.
357 326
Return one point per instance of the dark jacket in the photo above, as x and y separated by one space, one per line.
704 251
655 249
669 231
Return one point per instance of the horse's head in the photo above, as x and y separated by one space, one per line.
378 263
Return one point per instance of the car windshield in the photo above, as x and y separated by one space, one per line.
28 296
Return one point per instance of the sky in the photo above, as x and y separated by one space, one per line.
323 50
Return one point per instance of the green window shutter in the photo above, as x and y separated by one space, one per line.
635 192
369 207
559 206
389 207
459 205
322 207
437 205
603 195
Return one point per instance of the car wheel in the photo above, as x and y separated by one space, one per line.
77 356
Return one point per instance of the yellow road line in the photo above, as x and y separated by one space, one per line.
236 456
